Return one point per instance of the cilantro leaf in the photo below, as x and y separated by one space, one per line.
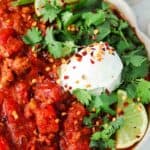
107 132
103 103
69 18
104 136
131 90
131 73
33 36
88 120
94 18
122 46
49 12
66 17
134 59
22 2
104 30
103 145
56 48
143 91
123 25
83 96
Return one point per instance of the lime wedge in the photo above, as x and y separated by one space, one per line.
135 121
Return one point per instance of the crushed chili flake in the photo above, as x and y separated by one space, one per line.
78 57
125 104
65 85
70 88
66 77
92 53
84 53
92 61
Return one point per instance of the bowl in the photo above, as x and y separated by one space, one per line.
126 13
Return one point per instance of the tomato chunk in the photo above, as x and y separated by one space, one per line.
9 42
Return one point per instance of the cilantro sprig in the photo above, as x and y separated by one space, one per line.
103 139
33 36
101 103
140 90
56 48
49 12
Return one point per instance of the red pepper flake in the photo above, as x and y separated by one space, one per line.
74 67
125 104
103 48
120 112
107 91
79 57
107 45
92 54
92 61
66 77
68 61
84 53
70 88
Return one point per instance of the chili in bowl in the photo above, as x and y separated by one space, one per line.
74 75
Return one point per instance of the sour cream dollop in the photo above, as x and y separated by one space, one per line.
96 68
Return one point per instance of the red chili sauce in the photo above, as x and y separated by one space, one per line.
35 112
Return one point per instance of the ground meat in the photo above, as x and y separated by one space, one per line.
9 42
20 128
6 74
47 91
20 65
46 120
75 136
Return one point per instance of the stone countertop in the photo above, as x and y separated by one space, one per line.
141 9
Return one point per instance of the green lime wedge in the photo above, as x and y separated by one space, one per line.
135 121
